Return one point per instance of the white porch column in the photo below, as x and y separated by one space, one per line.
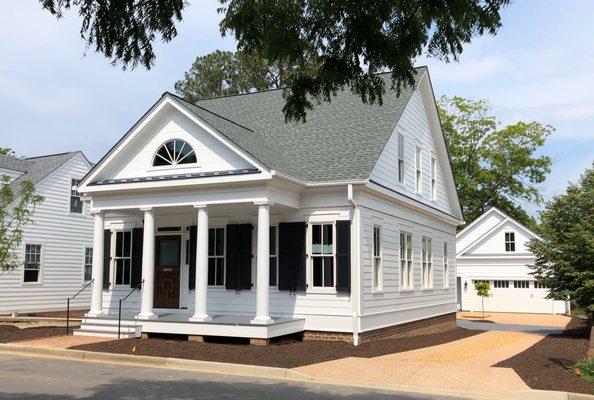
263 265
97 271
148 265
200 291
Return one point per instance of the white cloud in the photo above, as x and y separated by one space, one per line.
467 71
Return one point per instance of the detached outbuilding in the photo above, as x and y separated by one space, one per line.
493 248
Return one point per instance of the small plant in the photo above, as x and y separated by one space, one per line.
482 289
585 369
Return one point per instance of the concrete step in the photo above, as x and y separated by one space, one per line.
111 328
123 335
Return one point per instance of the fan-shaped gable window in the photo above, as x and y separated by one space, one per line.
174 152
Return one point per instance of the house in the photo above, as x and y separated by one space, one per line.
234 223
493 248
57 249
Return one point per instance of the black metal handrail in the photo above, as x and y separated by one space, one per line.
68 304
120 305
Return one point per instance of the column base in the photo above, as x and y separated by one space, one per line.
146 316
95 314
262 321
200 318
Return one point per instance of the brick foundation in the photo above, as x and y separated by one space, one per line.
259 342
196 338
441 323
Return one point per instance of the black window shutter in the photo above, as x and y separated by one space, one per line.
285 250
106 257
192 260
343 256
232 258
245 256
299 264
136 269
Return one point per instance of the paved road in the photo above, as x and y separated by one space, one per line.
31 378
489 326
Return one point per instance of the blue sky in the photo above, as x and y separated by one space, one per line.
57 96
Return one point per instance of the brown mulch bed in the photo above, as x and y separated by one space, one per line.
283 354
57 314
9 333
546 364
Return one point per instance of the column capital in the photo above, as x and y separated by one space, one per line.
263 203
96 211
199 205
148 208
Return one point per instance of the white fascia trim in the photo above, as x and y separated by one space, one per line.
495 256
318 184
480 218
161 103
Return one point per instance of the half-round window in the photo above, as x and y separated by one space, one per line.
174 152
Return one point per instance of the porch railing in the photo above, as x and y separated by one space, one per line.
68 305
134 289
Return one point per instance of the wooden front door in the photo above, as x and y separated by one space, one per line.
167 272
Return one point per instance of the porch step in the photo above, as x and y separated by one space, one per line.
107 328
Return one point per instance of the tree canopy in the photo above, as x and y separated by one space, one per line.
565 254
494 165
326 45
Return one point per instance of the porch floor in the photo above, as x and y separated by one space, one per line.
219 325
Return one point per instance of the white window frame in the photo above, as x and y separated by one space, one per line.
406 261
427 262
223 257
446 265
400 163
500 284
522 284
39 281
433 178
85 259
275 255
376 256
511 243
419 169
310 264
114 238
74 193
154 167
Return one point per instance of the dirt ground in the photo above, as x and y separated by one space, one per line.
559 321
14 332
546 364
285 354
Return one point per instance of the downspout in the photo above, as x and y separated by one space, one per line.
355 300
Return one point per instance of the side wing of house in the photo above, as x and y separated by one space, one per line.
12 174
54 247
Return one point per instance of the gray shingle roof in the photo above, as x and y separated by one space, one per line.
341 140
34 168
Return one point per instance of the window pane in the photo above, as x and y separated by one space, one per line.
119 271
272 240
316 239
272 276
168 252
126 271
212 266
127 243
318 273
187 259
220 271
327 239
211 242
119 243
220 242
328 271
75 204
31 275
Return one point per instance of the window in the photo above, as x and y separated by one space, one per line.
377 258
427 263
510 241
521 284
216 256
446 266
123 254
501 284
75 201
419 168
88 267
273 277
406 270
401 158
32 266
174 152
538 285
433 179
322 249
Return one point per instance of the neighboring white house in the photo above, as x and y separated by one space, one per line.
56 251
235 223
493 249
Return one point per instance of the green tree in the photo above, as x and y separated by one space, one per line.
352 40
222 73
565 254
493 165
6 151
16 211
483 290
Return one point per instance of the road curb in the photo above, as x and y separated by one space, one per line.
270 373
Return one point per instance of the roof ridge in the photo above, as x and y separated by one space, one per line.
50 155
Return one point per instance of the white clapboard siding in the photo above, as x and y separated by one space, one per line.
414 125
63 236
394 304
